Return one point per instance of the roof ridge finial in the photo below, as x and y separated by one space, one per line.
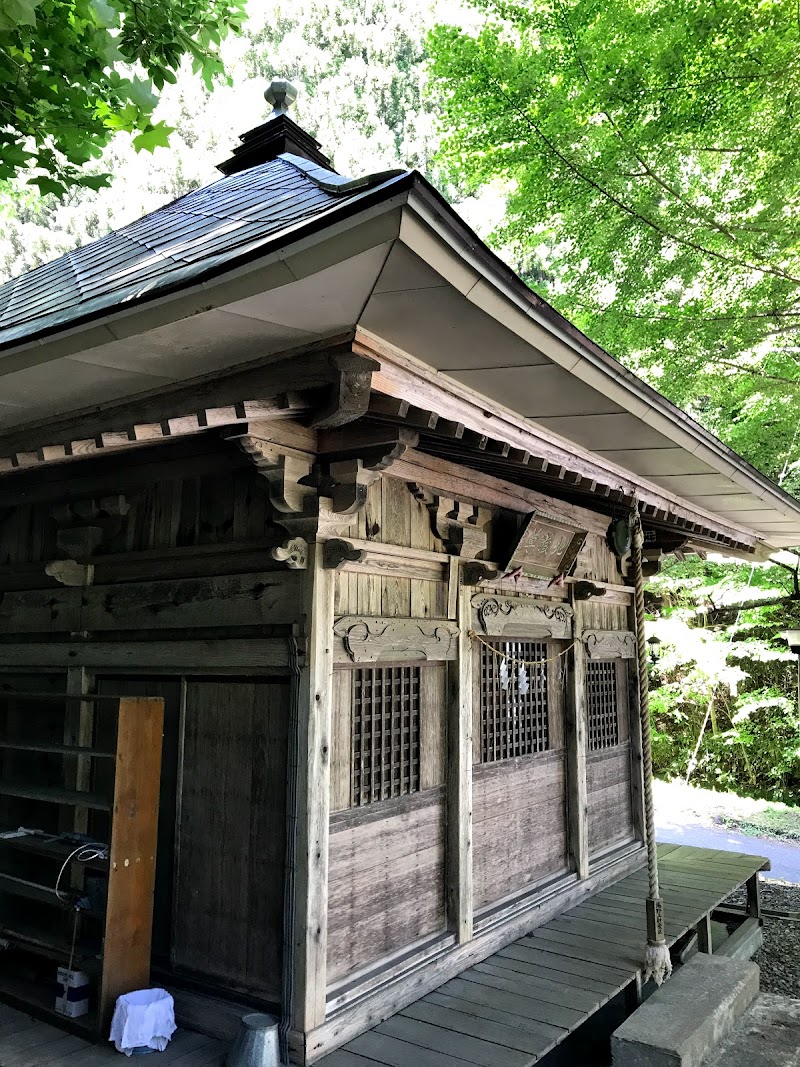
281 94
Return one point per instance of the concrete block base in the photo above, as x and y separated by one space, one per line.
688 1016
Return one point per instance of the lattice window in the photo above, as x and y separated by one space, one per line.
602 704
514 706
386 733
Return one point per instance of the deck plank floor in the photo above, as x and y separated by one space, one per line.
508 1011
518 1004
27 1042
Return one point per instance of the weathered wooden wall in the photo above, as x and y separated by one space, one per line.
228 914
519 824
392 516
184 496
386 887
608 771
608 776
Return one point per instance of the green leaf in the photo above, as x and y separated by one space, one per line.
48 185
153 137
105 15
16 13
140 92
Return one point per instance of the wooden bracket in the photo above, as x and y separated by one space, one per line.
348 396
474 573
294 553
610 644
337 552
587 590
359 461
84 525
462 527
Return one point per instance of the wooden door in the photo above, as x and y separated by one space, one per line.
231 837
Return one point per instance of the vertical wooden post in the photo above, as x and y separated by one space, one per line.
637 765
577 793
313 800
704 942
78 729
459 779
754 895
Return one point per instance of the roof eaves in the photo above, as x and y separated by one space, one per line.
539 309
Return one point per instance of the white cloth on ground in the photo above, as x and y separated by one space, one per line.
144 1017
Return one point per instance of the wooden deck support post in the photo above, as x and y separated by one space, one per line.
577 792
704 941
459 778
754 896
313 800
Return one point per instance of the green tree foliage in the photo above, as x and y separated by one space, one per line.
361 66
723 682
649 150
75 72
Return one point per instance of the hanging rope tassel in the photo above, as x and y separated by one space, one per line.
657 964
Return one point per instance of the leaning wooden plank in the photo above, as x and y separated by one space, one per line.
544 1032
540 988
485 1029
493 991
452 1043
549 956
395 1053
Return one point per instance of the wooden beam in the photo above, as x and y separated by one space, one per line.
577 790
265 655
460 905
456 480
315 686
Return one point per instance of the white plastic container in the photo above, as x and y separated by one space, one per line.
72 999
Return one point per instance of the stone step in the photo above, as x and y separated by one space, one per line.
688 1016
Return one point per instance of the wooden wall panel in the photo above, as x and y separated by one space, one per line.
519 824
608 775
231 839
204 506
433 731
386 888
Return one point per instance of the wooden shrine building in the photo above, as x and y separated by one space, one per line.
315 525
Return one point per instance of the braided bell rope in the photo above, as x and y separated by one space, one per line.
657 960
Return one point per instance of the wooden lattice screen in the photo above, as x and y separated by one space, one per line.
602 706
386 733
513 722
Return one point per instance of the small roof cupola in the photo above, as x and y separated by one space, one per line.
277 135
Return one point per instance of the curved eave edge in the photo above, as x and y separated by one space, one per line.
435 210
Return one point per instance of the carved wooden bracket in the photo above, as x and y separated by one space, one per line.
284 470
84 525
462 527
609 644
70 573
337 552
587 590
367 639
475 572
499 616
294 553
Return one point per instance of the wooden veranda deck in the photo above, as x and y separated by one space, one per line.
508 1011
513 1008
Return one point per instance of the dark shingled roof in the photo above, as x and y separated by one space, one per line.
199 234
